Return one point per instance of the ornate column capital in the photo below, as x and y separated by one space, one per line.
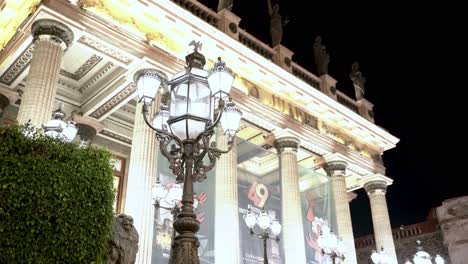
284 143
335 167
375 186
52 30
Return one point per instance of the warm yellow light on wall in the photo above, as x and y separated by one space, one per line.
12 15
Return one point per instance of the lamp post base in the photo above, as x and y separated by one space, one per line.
185 250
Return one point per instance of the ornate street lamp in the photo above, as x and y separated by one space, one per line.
331 245
380 257
266 224
57 128
184 129
422 257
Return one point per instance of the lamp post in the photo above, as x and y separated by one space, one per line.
380 257
184 129
422 257
331 245
57 128
266 224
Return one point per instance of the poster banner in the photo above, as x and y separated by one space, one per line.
317 210
258 188
163 219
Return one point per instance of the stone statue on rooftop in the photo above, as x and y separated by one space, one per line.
276 24
225 4
358 80
322 58
124 241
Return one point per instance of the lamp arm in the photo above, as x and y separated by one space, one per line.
218 117
159 133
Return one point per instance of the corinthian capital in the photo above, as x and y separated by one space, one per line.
336 167
281 144
52 30
375 186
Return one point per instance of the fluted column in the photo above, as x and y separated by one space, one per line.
382 229
336 170
293 231
226 204
141 174
51 39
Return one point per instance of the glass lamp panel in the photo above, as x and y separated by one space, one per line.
250 219
264 220
158 191
439 260
54 128
375 257
70 131
230 120
147 86
275 227
160 119
408 262
179 102
220 79
200 100
422 257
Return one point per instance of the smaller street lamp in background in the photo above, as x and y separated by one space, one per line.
380 257
266 224
422 257
331 245
57 128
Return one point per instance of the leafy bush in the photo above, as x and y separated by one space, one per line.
55 199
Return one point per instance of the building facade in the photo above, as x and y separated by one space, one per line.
302 149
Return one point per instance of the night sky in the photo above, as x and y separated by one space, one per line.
407 55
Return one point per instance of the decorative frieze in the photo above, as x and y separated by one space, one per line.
116 136
104 49
83 69
17 67
114 101
97 76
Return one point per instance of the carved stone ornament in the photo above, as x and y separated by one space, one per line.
372 186
4 102
56 30
123 245
338 165
287 142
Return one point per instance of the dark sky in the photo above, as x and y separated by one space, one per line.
408 55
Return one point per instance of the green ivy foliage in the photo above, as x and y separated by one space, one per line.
55 199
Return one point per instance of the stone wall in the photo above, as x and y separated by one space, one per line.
453 220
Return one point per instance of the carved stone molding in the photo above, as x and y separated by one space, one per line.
18 66
96 77
332 167
83 69
104 49
116 136
286 143
56 30
114 101
373 186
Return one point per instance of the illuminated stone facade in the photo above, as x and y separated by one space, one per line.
94 80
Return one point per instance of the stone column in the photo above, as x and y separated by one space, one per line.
51 39
293 231
226 204
336 170
382 229
142 171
